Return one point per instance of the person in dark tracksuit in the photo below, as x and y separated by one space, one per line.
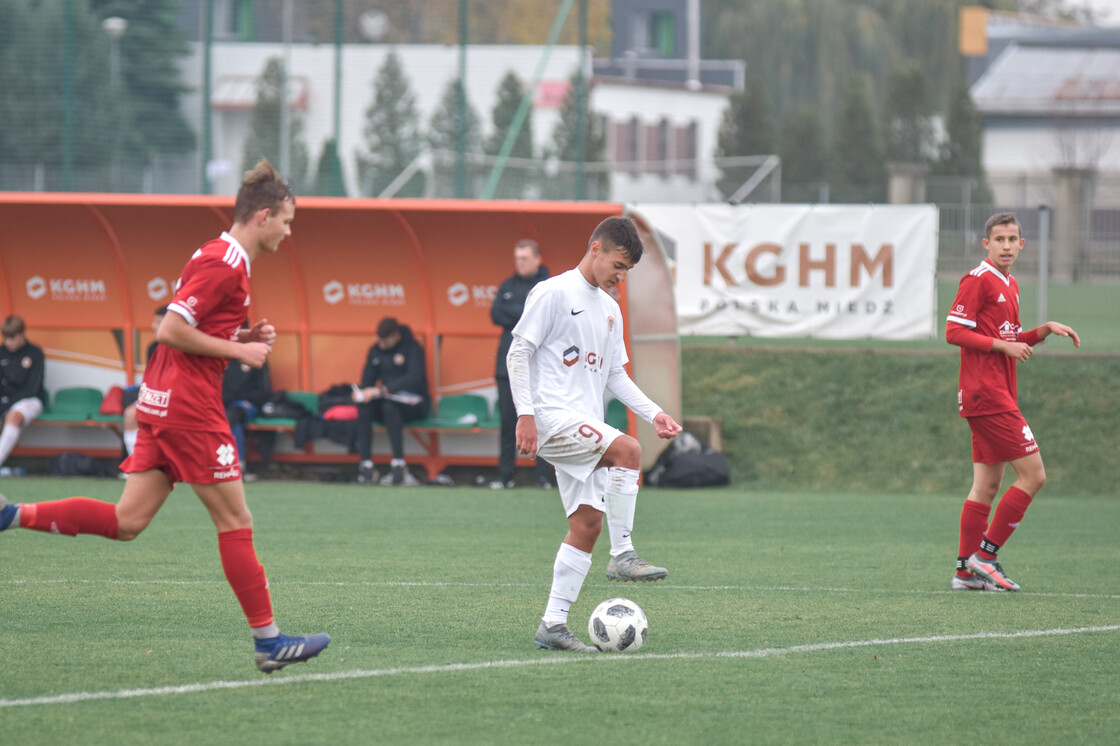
506 312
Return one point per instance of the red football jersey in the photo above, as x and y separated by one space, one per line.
184 390
987 302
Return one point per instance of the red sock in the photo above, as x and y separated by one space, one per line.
1009 512
70 517
246 575
974 522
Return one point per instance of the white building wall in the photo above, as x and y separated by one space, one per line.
429 69
620 103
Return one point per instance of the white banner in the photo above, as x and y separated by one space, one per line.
833 271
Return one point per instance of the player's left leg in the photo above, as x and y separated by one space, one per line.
623 459
225 501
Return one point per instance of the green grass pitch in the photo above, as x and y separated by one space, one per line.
788 617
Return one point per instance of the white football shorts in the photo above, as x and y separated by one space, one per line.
575 450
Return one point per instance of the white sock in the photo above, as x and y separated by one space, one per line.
397 462
621 499
265 632
129 437
8 437
568 573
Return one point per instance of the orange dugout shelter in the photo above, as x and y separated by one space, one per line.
86 271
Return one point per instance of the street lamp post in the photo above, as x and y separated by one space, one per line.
115 26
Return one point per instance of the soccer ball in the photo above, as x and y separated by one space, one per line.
618 625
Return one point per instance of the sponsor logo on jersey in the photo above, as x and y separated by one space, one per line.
154 398
1009 332
572 355
577 313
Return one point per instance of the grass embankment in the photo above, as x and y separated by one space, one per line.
840 419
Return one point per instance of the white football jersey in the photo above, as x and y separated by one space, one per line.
577 332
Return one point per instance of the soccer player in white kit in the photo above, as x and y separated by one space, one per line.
568 348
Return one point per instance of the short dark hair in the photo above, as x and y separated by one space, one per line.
263 187
621 234
388 327
13 326
1002 218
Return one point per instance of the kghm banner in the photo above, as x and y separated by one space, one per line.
833 271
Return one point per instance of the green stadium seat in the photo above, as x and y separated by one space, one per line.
460 411
617 415
74 403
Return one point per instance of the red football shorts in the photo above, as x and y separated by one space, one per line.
1001 437
191 456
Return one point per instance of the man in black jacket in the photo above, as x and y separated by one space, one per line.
506 312
393 391
22 366
244 391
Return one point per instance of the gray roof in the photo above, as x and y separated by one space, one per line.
1045 80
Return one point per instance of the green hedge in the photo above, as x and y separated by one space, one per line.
839 419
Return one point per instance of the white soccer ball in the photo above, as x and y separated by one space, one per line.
618 625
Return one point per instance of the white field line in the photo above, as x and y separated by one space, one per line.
556 660
273 582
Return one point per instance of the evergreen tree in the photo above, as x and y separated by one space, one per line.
329 180
516 178
443 138
910 132
858 165
746 129
392 134
150 76
32 98
804 155
962 152
597 183
264 128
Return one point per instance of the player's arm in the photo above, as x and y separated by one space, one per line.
175 331
1036 335
626 391
520 383
960 335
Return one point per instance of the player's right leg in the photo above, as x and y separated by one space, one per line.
225 501
143 495
573 562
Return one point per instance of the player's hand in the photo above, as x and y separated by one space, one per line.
1064 331
666 426
526 435
263 331
253 354
1020 351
